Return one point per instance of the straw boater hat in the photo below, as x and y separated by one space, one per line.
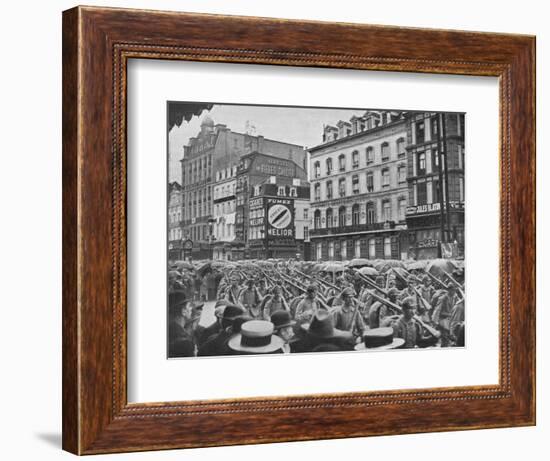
379 339
256 337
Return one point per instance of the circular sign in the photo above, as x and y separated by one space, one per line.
279 216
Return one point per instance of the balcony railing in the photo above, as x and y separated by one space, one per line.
352 228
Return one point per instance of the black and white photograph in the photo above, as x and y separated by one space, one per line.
313 229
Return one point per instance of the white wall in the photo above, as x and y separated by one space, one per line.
30 244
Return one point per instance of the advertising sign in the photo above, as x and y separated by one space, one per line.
280 218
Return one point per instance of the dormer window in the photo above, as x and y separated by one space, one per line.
281 191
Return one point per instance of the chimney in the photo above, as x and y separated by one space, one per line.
260 144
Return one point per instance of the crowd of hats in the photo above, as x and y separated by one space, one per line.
239 330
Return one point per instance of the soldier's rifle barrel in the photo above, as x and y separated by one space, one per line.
459 286
372 284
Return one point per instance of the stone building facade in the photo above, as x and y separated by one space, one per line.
175 214
435 214
260 175
212 156
359 190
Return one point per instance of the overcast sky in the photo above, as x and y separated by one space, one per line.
302 126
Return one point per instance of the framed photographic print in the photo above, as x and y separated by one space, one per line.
265 225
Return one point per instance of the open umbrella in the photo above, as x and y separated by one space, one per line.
438 267
416 265
183 265
333 267
174 274
204 268
368 271
383 265
360 262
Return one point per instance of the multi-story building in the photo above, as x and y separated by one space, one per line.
264 181
175 233
359 188
278 218
224 211
435 213
210 157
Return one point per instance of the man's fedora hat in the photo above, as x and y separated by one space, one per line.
229 312
256 337
322 327
176 298
379 339
281 319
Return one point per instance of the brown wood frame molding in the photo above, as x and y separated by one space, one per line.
97 43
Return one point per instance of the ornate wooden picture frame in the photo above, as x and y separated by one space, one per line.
97 44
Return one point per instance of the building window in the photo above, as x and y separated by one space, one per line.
385 177
306 233
281 190
342 162
435 160
421 194
355 159
434 127
401 152
372 248
460 156
436 197
370 155
317 169
317 192
355 184
370 182
342 187
421 166
385 150
420 135
317 219
343 249
386 210
331 250
402 173
319 251
371 213
342 216
306 214
387 247
355 214
329 190
402 205
293 192
358 248
330 218
329 166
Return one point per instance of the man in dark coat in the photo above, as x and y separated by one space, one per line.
216 345
180 340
